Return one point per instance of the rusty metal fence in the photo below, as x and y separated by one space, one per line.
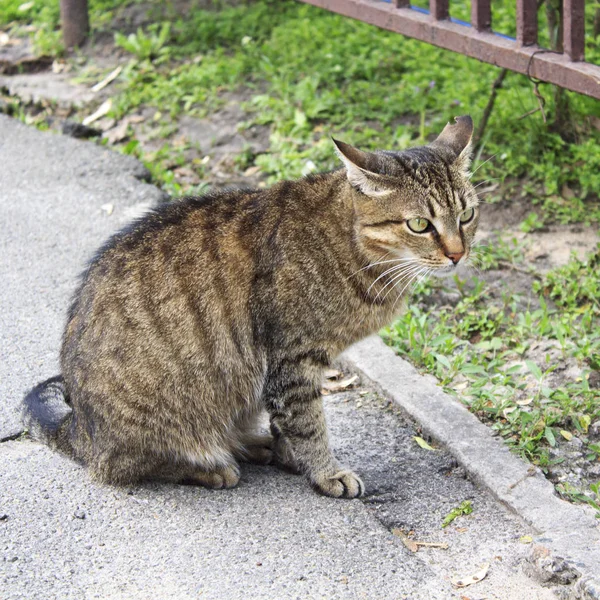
523 55
477 39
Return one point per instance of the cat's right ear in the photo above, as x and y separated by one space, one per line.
455 140
359 171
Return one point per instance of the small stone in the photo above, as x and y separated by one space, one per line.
4 517
594 429
79 514
593 470
13 559
77 130
594 379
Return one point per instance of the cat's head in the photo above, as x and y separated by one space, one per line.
417 205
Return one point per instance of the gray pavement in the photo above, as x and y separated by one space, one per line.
62 536
52 190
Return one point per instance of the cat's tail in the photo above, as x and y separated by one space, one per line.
47 414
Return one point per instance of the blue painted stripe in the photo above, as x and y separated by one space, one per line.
424 11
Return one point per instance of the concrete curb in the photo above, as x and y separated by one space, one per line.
567 548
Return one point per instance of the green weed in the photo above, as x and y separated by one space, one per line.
465 508
592 498
478 349
149 46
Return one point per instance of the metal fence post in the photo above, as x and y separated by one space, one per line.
574 28
481 14
527 26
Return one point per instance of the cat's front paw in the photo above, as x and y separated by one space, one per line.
343 484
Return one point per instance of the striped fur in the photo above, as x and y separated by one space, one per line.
191 322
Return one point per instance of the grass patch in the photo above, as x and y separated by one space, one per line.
316 74
480 347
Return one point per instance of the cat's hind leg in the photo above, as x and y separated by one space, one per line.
219 478
249 444
207 473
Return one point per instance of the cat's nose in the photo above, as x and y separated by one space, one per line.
455 256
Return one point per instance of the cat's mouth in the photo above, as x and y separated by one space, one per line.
446 270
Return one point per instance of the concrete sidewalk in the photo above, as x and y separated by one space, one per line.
62 536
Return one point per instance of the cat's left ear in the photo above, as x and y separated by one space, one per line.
455 140
361 169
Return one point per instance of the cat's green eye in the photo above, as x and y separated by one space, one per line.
467 215
418 225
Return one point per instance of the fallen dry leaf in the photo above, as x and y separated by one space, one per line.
108 79
59 67
342 384
414 545
567 193
105 123
102 110
525 402
422 443
4 39
410 544
441 545
332 373
250 171
461 582
187 174
180 142
526 539
118 133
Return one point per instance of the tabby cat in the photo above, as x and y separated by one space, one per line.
192 321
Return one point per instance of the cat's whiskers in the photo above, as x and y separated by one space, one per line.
483 200
397 279
483 163
475 257
390 270
381 262
369 265
484 182
397 272
422 272
403 270
399 267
